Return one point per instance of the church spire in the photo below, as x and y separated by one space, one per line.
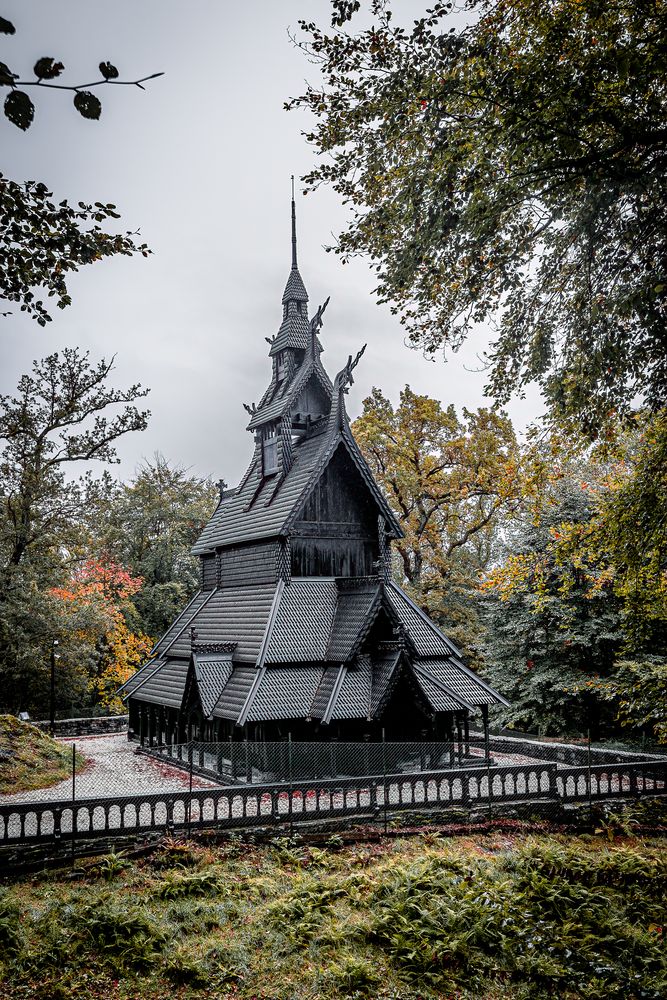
294 264
295 290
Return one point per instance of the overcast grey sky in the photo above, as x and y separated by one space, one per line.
200 163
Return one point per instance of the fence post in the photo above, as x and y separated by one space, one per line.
190 762
589 780
291 791
74 817
385 793
488 782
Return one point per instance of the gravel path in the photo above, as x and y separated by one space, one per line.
114 767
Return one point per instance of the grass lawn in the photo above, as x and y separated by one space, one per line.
480 917
31 759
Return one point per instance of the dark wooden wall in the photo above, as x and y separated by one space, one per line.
333 557
337 534
247 564
209 573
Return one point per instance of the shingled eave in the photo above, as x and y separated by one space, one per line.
418 670
400 660
186 621
365 627
145 672
431 624
482 683
328 712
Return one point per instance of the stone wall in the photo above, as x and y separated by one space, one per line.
100 726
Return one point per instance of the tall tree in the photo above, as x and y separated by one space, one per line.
64 414
513 169
553 626
452 482
149 527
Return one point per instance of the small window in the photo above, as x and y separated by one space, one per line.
270 454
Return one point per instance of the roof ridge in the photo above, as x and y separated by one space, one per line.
182 630
333 697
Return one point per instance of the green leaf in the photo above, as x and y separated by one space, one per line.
19 109
108 71
6 27
47 68
87 104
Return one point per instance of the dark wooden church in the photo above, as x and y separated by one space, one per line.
298 627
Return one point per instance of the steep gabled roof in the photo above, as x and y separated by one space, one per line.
285 692
235 693
303 622
211 673
280 402
266 508
356 610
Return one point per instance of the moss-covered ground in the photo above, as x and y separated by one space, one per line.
30 759
493 916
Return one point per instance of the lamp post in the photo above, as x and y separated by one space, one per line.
52 727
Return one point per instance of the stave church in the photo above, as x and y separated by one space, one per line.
298 628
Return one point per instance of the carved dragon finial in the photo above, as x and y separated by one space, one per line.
316 321
344 379
271 340
316 324
251 408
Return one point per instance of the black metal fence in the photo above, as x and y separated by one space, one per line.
127 790
245 762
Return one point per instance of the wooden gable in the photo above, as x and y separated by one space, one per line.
336 530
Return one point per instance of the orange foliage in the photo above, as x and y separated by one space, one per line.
106 589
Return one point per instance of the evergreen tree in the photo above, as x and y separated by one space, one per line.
553 628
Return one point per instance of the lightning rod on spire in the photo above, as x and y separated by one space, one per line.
293 227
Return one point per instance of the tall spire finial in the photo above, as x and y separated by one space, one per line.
293 227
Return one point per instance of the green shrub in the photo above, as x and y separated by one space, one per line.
556 917
12 937
109 931
351 975
206 883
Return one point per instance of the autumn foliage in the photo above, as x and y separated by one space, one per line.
95 610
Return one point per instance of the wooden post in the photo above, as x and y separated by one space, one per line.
485 721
